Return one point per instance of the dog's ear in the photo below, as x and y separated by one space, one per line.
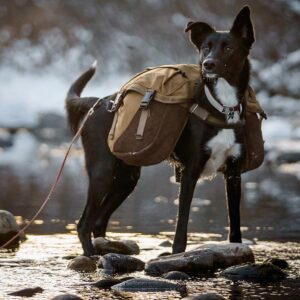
199 31
242 27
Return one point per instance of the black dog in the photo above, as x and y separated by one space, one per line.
202 148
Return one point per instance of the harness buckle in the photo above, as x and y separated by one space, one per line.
114 104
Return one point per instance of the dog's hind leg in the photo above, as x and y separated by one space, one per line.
125 180
100 181
233 195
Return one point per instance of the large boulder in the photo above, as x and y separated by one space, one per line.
8 228
82 264
148 285
120 263
203 259
103 246
254 272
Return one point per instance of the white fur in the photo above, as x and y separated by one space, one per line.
94 64
227 95
223 144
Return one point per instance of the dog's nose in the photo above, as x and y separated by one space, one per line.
209 64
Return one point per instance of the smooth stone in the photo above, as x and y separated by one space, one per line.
164 254
254 272
148 285
203 259
28 292
107 283
82 264
176 275
103 246
121 263
208 296
66 297
165 244
8 228
278 262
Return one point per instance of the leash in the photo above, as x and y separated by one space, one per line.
54 185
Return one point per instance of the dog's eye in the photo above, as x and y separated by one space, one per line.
205 49
227 48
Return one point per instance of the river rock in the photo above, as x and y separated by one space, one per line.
203 259
176 275
82 264
66 297
8 228
28 292
278 262
107 283
121 263
166 243
208 296
103 246
254 272
148 285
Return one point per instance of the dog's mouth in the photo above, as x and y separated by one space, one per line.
211 78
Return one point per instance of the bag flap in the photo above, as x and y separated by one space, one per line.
172 83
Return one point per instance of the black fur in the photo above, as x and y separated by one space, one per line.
111 180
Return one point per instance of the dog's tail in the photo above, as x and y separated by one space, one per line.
77 106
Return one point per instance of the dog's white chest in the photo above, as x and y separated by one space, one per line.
221 146
224 143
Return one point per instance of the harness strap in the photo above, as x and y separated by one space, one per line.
229 111
142 124
205 116
113 126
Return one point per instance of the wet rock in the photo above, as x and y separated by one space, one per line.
208 296
254 272
148 285
8 228
164 254
176 275
107 283
82 264
66 297
165 244
120 263
103 246
203 259
278 262
28 292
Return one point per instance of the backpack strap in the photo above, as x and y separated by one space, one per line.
148 97
206 117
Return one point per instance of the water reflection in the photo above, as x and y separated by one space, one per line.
269 207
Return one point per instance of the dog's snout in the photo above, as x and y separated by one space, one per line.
209 64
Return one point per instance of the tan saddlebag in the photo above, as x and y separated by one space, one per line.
153 111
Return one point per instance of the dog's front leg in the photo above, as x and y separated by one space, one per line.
188 183
233 195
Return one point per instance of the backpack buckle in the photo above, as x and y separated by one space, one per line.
114 104
148 97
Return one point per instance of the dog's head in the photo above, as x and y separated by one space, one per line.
223 53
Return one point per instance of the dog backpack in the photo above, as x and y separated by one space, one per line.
152 110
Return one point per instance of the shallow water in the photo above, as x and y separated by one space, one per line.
41 261
270 216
